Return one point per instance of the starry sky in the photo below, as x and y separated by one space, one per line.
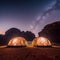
31 15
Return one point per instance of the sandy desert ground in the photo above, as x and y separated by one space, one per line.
30 53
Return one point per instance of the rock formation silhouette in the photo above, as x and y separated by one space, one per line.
29 35
14 32
52 32
1 39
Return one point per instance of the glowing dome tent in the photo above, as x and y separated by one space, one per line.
41 41
17 41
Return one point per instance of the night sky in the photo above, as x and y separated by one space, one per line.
31 15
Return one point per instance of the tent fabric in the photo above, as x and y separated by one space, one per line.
41 41
17 41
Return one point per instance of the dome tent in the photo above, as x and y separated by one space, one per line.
17 42
41 42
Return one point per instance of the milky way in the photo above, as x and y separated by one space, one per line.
54 6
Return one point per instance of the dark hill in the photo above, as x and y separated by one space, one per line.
52 32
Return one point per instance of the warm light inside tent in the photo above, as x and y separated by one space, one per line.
17 41
41 41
